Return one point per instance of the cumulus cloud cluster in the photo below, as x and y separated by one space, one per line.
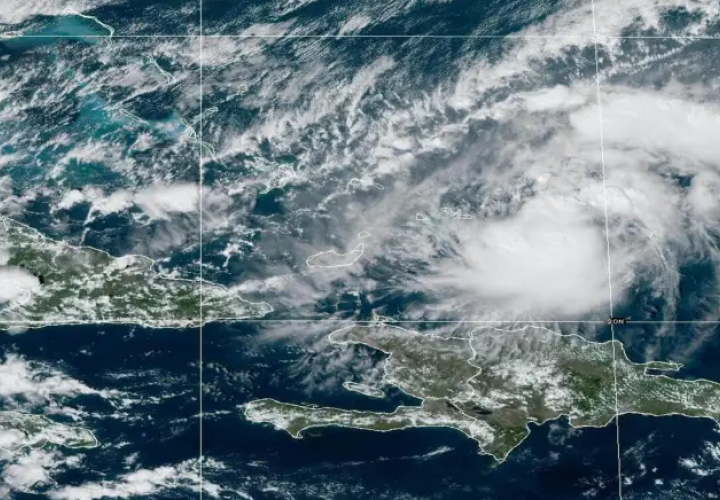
157 202
24 472
16 285
540 196
17 11
146 481
550 258
23 381
548 254
32 471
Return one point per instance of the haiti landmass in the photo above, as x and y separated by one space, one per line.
491 385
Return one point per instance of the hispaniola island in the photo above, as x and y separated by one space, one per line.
382 250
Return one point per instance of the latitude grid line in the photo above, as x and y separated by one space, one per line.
170 324
589 36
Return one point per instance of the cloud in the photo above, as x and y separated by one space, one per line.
612 17
158 202
17 11
507 141
11 204
325 367
549 258
37 383
507 167
354 24
143 482
16 284
32 469
661 122
543 249
704 464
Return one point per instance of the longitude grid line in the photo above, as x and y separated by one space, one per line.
607 236
201 182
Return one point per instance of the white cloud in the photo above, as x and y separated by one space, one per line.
158 202
11 204
32 469
659 123
225 50
117 201
142 482
535 243
557 98
17 11
705 463
611 17
354 24
19 381
70 199
16 284
517 263
704 197
11 439
549 258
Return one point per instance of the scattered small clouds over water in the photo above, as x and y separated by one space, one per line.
145 481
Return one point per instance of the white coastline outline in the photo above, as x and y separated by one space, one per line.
266 307
69 11
677 366
359 247
46 442
364 389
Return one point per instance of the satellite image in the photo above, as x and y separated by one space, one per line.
349 250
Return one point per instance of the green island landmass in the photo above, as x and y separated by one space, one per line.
83 284
492 384
24 431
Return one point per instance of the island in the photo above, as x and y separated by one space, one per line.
491 384
331 258
23 431
59 283
364 389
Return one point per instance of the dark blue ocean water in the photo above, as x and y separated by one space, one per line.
243 362
159 369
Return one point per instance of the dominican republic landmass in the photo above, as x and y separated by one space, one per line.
491 384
